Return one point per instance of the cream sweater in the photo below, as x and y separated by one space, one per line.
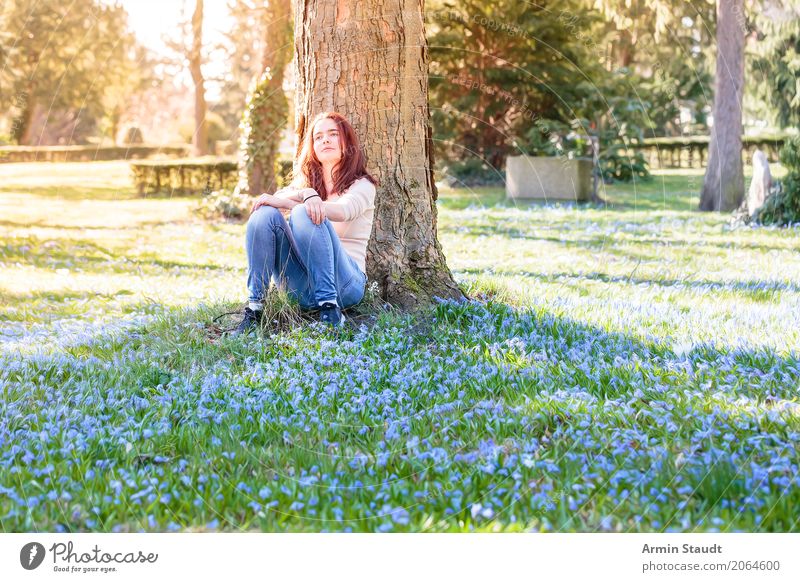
358 205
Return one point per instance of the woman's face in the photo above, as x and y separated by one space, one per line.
327 142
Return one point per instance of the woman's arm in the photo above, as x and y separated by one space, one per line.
290 192
352 204
334 212
281 201
285 199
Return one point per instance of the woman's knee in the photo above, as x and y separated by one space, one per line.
300 216
263 216
301 222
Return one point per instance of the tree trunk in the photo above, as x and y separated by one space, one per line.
723 187
368 60
22 129
200 137
267 107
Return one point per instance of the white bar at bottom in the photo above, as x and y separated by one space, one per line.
354 557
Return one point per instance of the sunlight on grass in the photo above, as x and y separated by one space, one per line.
73 181
645 263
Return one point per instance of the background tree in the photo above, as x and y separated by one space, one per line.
723 186
497 68
200 136
532 77
376 75
774 67
664 49
243 49
267 108
59 59
134 76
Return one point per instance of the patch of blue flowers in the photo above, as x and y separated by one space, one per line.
469 416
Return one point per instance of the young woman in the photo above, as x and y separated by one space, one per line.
319 255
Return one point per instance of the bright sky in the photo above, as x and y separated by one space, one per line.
152 20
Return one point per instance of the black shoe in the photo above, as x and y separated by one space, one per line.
250 321
331 314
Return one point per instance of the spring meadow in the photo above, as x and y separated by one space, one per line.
581 247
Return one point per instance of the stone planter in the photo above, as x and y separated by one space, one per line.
539 178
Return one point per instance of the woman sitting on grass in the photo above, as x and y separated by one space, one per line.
319 256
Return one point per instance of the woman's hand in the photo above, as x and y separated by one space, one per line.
315 209
263 200
275 201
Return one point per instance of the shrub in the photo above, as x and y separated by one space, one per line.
231 204
217 130
226 204
133 135
552 138
782 206
188 176
471 172
544 138
617 165
283 171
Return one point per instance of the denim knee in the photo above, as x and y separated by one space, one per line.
300 216
263 216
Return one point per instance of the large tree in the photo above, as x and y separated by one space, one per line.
723 187
267 107
368 59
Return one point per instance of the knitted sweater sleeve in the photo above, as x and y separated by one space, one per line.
358 198
293 191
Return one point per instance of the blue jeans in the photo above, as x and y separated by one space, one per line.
306 259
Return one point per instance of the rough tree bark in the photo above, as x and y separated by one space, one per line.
723 186
200 136
267 106
368 59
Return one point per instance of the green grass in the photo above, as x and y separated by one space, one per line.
630 366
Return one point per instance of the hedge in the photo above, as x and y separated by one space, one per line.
16 154
185 176
195 176
692 152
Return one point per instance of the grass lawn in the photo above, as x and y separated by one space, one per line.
631 366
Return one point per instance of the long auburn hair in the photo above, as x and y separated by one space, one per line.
351 167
